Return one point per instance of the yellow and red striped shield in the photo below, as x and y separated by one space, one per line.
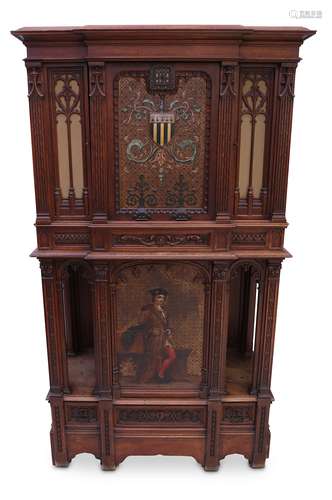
162 127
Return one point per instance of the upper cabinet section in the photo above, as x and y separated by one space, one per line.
164 123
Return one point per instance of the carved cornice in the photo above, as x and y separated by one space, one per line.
71 238
83 414
238 414
247 238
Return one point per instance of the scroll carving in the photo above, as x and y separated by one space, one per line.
35 85
149 240
97 81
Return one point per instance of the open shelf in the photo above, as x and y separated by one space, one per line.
238 373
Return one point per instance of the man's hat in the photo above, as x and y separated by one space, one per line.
158 291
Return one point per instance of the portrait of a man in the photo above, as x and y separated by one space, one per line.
154 333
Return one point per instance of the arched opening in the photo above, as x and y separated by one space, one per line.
78 327
244 295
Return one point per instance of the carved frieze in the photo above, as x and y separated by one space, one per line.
149 240
176 416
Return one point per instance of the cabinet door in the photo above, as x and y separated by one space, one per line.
164 121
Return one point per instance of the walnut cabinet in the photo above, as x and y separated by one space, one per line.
160 158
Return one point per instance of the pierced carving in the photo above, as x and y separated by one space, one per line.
83 414
161 239
97 79
160 416
162 77
71 238
247 238
158 134
35 85
47 269
238 414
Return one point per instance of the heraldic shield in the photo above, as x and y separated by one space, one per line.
162 127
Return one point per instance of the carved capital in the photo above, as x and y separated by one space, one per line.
220 272
97 79
287 81
101 271
274 269
35 83
47 269
227 85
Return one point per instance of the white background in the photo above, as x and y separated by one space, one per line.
299 463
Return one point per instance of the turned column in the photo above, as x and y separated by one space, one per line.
218 346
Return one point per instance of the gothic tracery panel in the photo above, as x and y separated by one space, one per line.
68 119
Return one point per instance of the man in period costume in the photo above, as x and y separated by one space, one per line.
159 348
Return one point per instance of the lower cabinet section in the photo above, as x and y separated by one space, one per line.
205 430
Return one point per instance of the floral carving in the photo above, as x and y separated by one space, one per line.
161 239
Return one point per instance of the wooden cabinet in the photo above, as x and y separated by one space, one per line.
160 159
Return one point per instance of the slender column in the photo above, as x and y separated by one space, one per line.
226 137
102 339
54 331
263 364
99 141
39 139
281 146
269 313
219 328
218 345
